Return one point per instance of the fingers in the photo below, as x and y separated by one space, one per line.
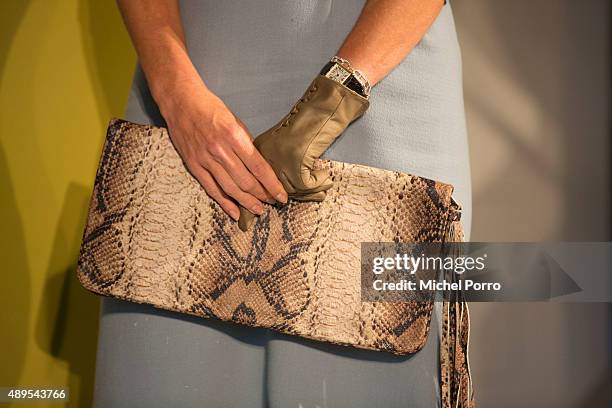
243 178
229 186
225 161
214 191
260 168
207 136
220 185
246 219
263 172
319 180
312 192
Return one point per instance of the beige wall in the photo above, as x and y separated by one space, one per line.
537 99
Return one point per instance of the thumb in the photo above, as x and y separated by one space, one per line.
246 219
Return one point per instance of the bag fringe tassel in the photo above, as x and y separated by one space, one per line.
455 382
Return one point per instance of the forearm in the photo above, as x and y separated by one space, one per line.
156 31
213 143
386 31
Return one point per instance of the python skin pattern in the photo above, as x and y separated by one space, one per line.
154 236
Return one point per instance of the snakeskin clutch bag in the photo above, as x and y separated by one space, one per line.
154 236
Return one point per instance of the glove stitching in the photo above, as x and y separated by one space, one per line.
294 109
315 137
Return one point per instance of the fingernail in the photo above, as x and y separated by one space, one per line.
235 215
282 197
258 209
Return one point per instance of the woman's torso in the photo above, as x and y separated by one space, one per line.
259 57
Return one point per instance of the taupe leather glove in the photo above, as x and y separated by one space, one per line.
302 136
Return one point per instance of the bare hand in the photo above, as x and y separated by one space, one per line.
219 152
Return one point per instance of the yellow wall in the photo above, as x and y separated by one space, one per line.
65 69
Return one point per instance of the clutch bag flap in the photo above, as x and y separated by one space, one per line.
154 236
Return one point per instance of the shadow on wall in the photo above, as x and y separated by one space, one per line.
15 310
12 13
68 315
13 253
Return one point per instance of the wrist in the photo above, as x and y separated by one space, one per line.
171 75
173 91
341 70
368 67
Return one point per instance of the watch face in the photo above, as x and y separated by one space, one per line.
338 73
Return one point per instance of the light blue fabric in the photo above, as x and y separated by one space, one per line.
259 57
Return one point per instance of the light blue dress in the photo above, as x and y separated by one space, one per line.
259 57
